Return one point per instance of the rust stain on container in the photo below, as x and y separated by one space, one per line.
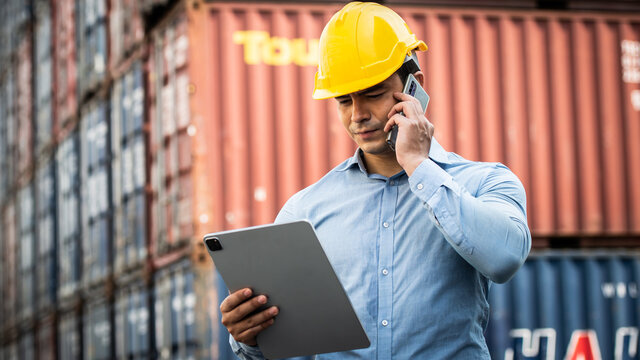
542 92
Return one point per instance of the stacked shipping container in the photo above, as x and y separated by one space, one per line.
101 254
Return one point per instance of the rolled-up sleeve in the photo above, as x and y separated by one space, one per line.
487 228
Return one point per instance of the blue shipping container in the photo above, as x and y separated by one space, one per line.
582 305
96 330
69 336
46 235
68 223
185 322
128 166
132 321
95 182
26 263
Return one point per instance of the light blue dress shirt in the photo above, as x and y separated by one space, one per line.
416 255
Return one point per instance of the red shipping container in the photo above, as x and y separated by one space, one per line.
549 94
64 61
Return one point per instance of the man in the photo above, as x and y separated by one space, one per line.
416 235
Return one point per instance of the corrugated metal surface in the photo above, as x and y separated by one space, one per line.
7 135
46 337
95 191
541 92
27 346
64 62
568 306
69 336
185 312
45 126
9 265
97 330
25 278
126 29
129 170
132 322
69 218
170 145
91 44
24 106
46 240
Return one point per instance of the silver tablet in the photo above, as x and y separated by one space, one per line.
287 263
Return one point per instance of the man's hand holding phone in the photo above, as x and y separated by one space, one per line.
414 131
241 318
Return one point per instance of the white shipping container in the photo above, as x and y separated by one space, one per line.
45 129
95 191
26 263
46 235
68 195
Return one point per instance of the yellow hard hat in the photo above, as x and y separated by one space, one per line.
362 45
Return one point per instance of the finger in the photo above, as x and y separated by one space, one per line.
241 311
254 320
249 336
235 299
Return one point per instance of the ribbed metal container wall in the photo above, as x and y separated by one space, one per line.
132 322
24 108
9 265
27 346
45 237
126 30
549 94
64 60
91 44
25 277
68 217
185 312
45 126
69 336
582 305
46 339
95 181
97 330
170 137
128 163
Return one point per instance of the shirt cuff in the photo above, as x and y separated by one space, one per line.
427 178
252 352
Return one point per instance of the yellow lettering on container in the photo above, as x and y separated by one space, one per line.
261 48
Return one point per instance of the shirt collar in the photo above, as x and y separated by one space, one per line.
437 153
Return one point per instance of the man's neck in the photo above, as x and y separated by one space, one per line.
384 164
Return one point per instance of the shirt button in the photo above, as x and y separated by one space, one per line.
385 224
385 272
392 182
385 323
420 186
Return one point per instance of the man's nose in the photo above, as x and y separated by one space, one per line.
359 111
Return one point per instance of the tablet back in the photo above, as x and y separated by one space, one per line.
287 263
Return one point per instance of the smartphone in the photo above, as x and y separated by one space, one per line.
413 88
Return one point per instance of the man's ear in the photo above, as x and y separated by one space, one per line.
420 77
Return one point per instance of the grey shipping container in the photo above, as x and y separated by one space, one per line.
578 305
95 185
91 44
45 129
129 170
26 256
68 215
132 322
69 336
45 251
126 30
97 330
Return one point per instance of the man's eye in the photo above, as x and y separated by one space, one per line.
344 101
373 96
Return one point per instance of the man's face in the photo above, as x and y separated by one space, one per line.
364 114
